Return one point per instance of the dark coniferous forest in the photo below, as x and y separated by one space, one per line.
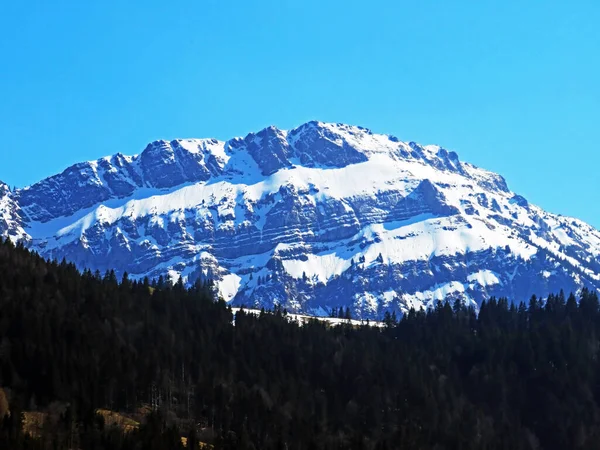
515 376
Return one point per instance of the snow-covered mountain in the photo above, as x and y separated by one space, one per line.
313 218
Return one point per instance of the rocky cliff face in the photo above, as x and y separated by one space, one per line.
321 216
11 224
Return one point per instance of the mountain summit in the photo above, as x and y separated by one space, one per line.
322 216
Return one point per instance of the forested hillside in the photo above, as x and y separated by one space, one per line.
516 376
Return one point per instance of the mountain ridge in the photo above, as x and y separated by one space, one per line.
321 216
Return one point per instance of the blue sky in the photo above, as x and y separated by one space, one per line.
512 86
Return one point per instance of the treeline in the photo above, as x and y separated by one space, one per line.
516 376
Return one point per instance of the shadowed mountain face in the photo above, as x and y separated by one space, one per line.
322 216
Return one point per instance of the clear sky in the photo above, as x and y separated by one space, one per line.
512 86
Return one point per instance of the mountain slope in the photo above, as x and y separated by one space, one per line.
321 216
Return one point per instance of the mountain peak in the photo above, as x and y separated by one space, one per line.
320 216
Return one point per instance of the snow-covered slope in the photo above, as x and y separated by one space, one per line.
11 224
318 217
